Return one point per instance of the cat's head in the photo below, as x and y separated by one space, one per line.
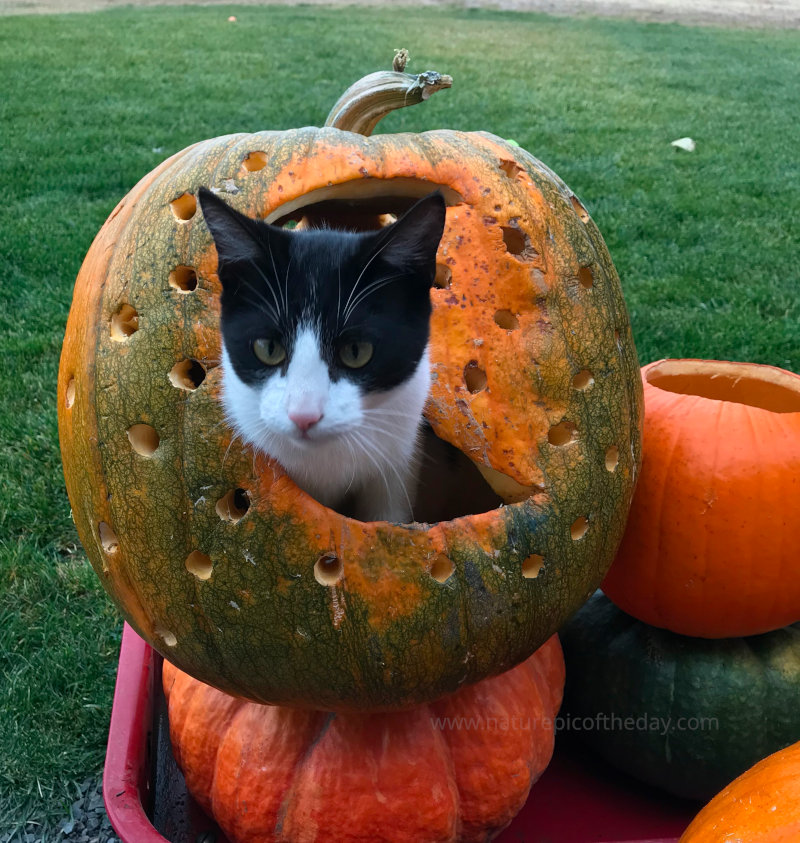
322 328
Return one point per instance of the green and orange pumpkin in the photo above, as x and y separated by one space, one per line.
218 559
456 770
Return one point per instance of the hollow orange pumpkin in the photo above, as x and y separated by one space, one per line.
458 769
217 558
711 546
761 806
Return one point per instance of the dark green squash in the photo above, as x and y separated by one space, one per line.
730 702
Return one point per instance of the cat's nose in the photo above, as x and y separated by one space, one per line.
304 421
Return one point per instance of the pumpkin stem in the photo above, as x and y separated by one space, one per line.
400 60
370 99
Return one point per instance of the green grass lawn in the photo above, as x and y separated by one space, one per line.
706 243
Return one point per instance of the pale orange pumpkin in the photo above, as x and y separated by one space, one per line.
458 769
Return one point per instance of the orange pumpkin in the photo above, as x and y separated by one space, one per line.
711 547
761 806
459 769
217 558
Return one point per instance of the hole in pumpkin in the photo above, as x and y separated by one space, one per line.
188 375
184 207
124 323
506 320
586 277
69 395
442 568
144 439
233 505
579 528
183 279
255 161
444 275
451 484
166 636
108 538
562 434
583 380
612 458
199 564
361 204
328 569
518 243
532 566
474 377
751 384
579 209
510 168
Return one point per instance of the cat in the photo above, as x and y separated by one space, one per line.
325 361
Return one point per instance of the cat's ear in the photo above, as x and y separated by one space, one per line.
236 236
412 241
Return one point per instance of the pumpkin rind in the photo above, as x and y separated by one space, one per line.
761 806
712 540
698 712
459 769
255 621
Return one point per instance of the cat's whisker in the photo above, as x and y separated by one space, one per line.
211 430
350 448
361 274
367 291
385 412
260 303
376 283
339 298
366 452
253 462
270 287
230 444
263 445
386 434
416 459
286 290
390 465
277 277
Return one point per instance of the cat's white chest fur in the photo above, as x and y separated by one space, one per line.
333 439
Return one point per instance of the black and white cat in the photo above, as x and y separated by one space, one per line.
324 350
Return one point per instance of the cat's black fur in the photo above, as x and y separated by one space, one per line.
315 271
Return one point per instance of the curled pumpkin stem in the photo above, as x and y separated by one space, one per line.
366 102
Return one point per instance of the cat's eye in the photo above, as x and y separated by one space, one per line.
354 355
269 351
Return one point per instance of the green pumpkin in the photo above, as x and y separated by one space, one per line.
685 714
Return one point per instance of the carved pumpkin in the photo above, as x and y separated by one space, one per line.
458 769
218 559
712 541
761 806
